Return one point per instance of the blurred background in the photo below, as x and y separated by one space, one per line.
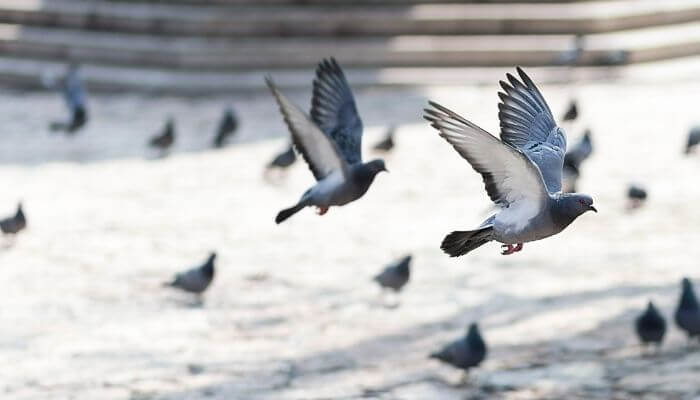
139 136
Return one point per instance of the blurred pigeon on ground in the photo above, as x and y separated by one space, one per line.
75 98
571 112
614 57
166 138
572 56
284 159
688 312
330 142
464 353
522 172
651 326
573 160
387 143
12 225
195 280
396 275
693 140
636 196
227 127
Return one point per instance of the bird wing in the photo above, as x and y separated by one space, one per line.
318 150
333 110
509 176
527 123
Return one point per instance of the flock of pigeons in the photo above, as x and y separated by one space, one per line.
528 173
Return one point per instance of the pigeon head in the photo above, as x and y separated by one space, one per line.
474 339
688 298
366 172
570 206
403 267
651 309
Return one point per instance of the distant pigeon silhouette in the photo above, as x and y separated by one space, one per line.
166 138
396 275
651 326
195 280
522 172
75 98
693 139
284 159
387 143
688 312
330 141
464 353
636 196
571 113
227 127
12 225
572 56
573 160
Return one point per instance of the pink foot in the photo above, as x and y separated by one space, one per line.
510 249
322 210
518 247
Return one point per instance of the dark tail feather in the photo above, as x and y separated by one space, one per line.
288 212
459 243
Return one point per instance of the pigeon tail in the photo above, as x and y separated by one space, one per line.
288 212
459 243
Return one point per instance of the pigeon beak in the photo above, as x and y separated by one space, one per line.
593 209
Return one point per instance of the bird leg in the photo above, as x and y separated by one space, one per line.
322 210
510 249
518 247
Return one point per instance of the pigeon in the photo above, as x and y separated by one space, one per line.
464 353
227 127
330 141
693 140
396 275
651 326
74 96
572 56
571 113
573 160
166 139
12 225
197 279
522 172
688 312
387 143
284 159
636 196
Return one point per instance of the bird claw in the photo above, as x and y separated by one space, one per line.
510 249
322 210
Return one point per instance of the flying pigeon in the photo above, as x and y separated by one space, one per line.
573 160
688 312
571 113
227 127
464 353
166 138
330 142
197 279
12 225
636 196
387 143
651 326
284 159
74 96
693 140
396 275
522 172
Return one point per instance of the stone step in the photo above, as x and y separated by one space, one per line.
279 53
359 20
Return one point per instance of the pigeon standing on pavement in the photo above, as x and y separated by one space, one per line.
464 353
75 98
636 196
227 127
571 112
166 138
573 159
693 140
284 159
522 172
12 225
387 143
688 312
396 275
197 279
330 141
651 326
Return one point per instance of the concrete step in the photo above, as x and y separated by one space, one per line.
358 20
185 53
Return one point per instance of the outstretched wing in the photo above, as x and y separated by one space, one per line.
509 176
527 123
333 110
317 149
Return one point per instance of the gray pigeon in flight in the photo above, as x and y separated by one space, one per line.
74 96
688 311
522 172
197 279
330 142
464 353
651 326
396 275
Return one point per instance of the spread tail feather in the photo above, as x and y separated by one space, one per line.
459 243
288 212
